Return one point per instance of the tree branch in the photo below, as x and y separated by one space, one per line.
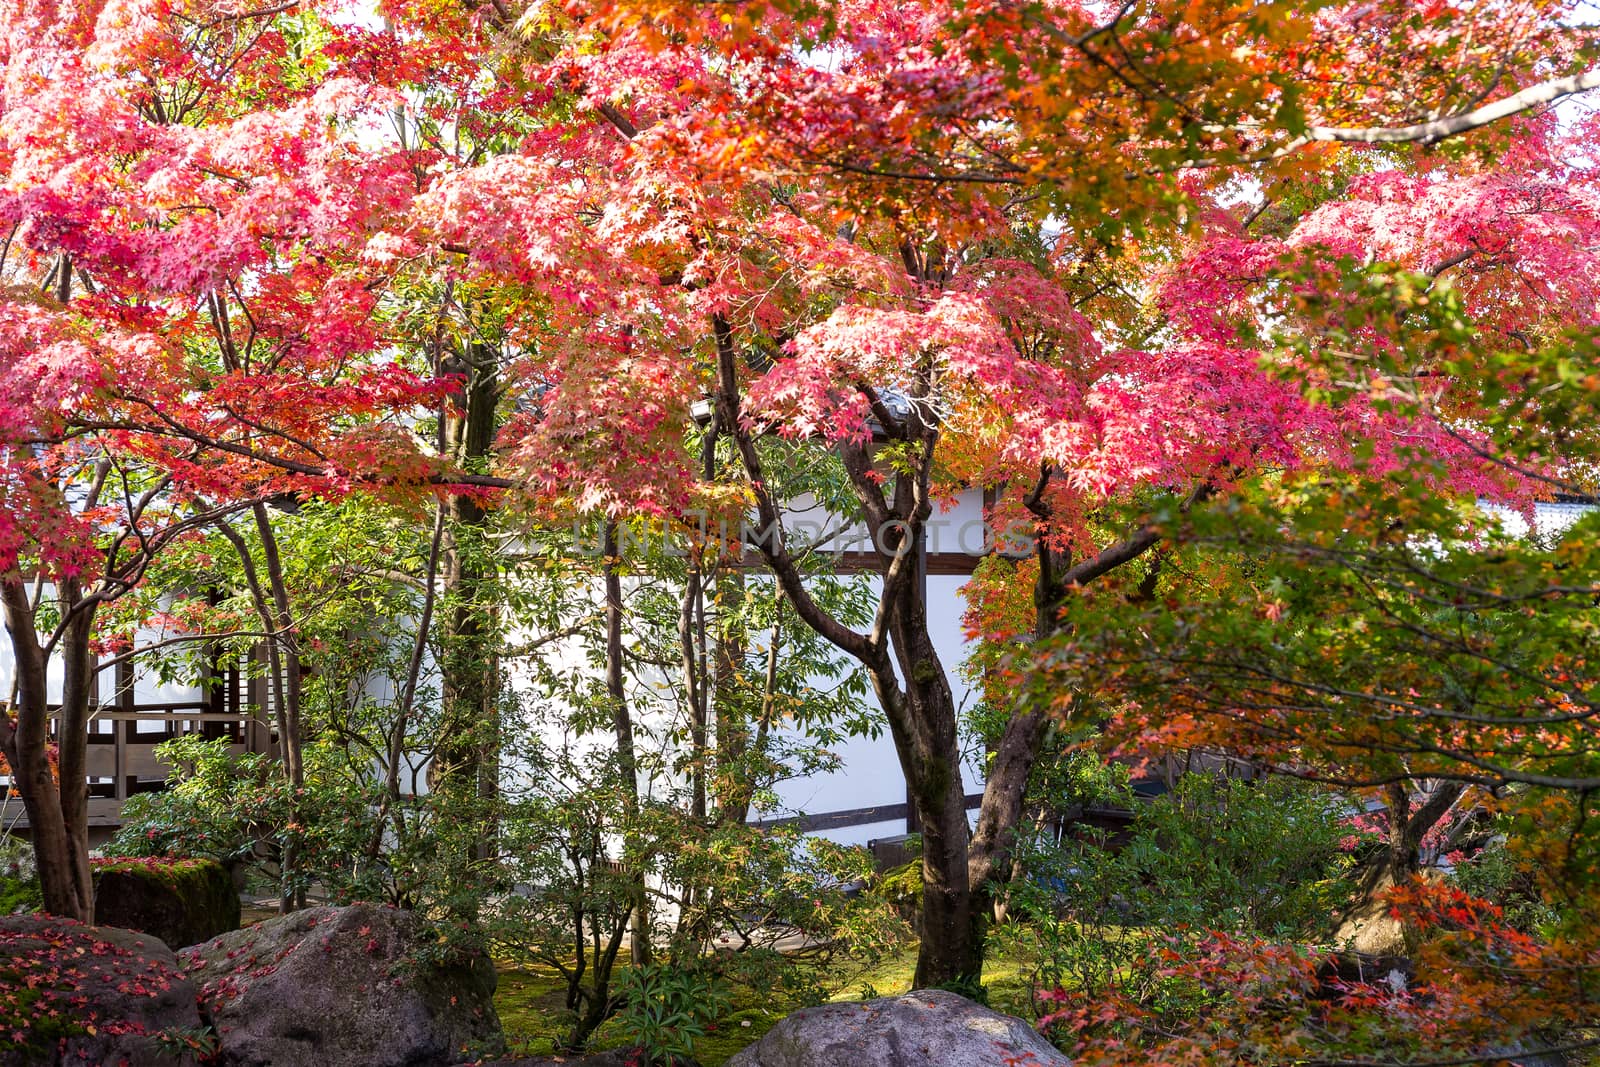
1453 125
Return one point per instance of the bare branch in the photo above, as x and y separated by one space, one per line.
1453 125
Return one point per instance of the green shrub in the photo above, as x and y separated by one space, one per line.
19 894
1258 857
667 1009
19 887
577 858
238 809
1495 874
1262 856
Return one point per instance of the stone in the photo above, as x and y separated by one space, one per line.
79 994
357 986
619 1057
1370 930
182 902
924 1028
1341 969
1518 1054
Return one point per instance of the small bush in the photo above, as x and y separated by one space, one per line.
19 894
19 887
1261 857
1495 874
238 809
666 1010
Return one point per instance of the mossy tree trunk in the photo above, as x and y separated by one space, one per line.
466 756
58 809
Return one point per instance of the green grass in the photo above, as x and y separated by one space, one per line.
532 1011
17 894
1005 977
530 1001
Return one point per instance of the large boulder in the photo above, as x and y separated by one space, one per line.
925 1028
76 994
360 986
1518 1054
1369 927
617 1057
183 902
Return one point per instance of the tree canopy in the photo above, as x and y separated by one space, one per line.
1239 309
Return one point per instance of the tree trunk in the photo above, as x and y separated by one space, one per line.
78 669
1004 794
627 759
691 650
742 724
1368 925
57 823
1011 763
284 676
898 655
290 668
466 758
951 949
953 929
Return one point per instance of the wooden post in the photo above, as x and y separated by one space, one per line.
211 696
119 732
260 708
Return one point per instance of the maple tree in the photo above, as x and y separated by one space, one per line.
911 233
966 244
1484 344
1371 625
189 331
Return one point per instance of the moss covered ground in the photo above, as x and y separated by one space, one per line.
530 1002
19 894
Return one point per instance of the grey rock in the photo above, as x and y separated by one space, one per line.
349 986
1369 928
620 1057
1519 1055
925 1028
112 993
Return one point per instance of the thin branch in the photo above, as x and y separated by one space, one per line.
167 642
1453 125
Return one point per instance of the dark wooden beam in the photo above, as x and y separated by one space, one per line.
841 820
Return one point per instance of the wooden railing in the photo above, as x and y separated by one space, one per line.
125 754
230 703
121 756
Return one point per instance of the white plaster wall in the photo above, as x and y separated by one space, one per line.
1550 519
147 688
870 773
865 835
